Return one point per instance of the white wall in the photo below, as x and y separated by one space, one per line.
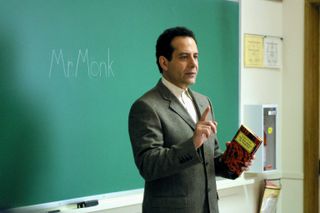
292 98
284 87
261 85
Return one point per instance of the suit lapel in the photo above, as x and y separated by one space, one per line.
175 105
200 105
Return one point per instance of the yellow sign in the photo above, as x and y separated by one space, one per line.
253 51
245 142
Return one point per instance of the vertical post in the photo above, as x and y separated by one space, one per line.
311 106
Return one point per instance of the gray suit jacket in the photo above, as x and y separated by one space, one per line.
178 178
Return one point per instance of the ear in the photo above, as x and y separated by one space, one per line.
163 61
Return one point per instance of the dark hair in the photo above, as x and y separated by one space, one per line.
164 47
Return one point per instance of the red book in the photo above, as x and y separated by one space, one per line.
241 149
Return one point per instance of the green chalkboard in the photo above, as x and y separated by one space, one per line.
69 72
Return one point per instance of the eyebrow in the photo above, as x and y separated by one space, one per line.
187 53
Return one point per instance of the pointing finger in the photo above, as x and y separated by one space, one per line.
205 114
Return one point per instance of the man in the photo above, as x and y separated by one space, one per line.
173 133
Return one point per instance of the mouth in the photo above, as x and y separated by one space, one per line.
191 74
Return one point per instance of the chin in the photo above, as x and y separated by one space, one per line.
193 81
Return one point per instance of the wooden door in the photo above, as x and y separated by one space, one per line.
311 107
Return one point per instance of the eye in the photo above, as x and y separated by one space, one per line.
183 57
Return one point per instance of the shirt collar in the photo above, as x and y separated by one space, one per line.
177 91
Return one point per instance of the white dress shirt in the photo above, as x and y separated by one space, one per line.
184 97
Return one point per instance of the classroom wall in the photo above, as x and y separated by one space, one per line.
261 85
283 87
292 98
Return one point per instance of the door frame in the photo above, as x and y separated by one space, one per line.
311 107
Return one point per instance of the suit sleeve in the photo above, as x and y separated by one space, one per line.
152 158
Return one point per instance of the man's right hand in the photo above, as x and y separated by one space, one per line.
204 129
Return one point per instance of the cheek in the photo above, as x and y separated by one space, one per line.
181 67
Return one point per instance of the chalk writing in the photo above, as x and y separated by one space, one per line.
83 63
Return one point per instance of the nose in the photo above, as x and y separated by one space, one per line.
193 62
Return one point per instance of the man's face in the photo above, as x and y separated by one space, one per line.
183 68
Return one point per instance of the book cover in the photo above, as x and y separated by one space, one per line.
270 196
241 149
